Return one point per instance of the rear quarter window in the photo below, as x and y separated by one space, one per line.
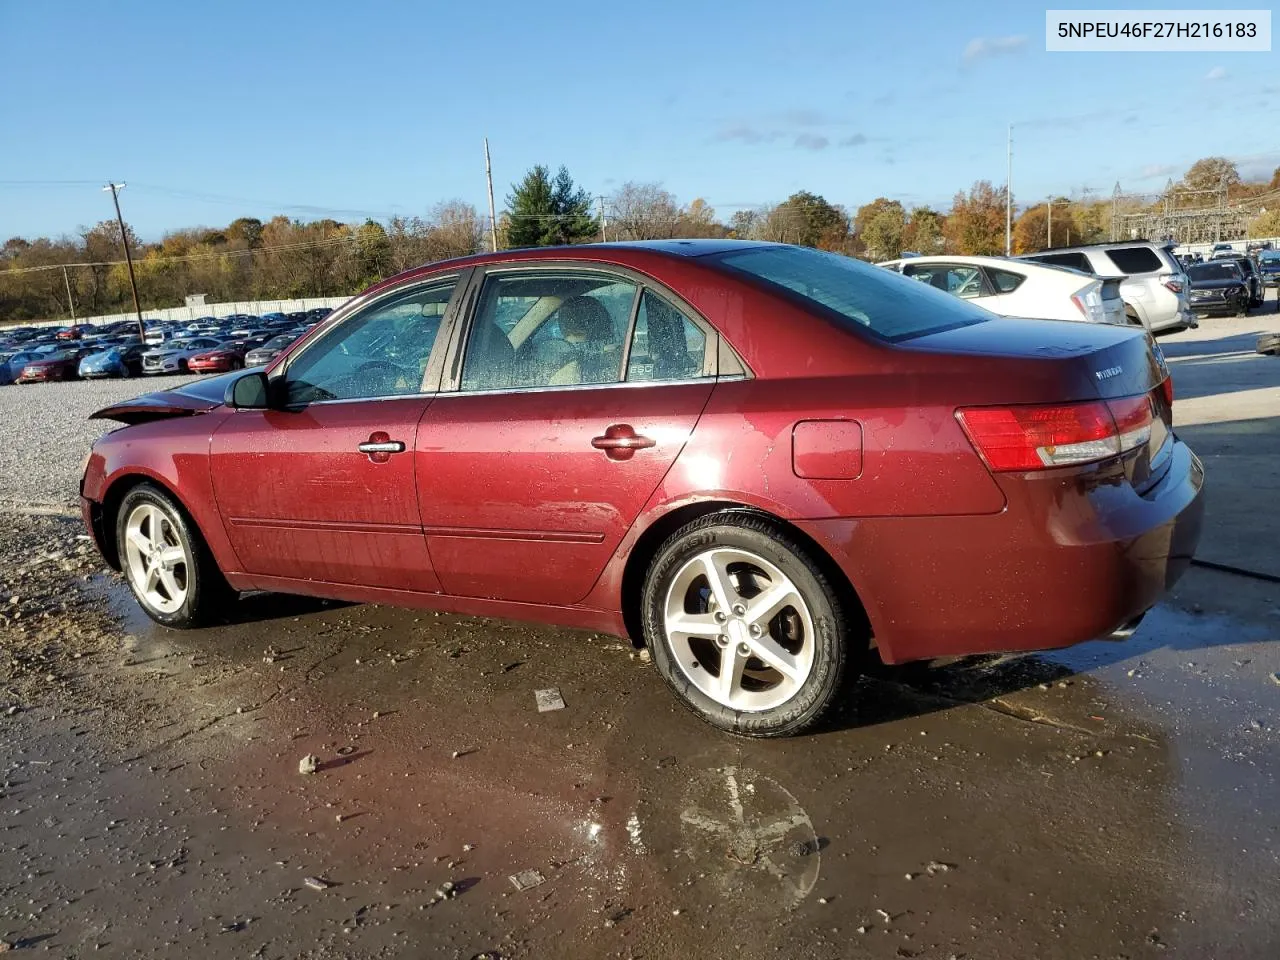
1135 259
856 294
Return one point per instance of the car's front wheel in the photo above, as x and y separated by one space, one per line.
745 627
165 560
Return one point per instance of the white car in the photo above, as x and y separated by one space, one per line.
1016 288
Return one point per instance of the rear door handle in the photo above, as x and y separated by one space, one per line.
620 441
380 447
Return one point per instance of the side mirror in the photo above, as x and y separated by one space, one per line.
249 392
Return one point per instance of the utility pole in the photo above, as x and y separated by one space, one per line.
1048 238
70 300
1008 201
115 189
604 222
493 219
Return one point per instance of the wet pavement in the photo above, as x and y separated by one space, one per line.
1117 800
1113 801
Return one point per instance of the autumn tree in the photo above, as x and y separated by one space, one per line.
881 226
548 212
1265 225
807 219
975 226
698 219
924 231
1210 173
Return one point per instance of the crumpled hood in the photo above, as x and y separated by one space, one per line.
185 401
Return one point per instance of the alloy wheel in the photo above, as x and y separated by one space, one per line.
157 560
739 629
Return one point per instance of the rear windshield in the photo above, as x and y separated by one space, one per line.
1213 271
1135 259
1270 256
859 295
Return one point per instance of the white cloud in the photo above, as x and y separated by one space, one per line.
1217 73
1153 170
812 141
980 48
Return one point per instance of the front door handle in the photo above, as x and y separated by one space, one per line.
620 442
380 447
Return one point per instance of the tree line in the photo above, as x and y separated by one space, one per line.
284 258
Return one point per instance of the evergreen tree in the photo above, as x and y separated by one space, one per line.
543 212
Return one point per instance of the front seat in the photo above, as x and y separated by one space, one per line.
491 365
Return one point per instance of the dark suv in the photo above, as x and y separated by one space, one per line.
1253 276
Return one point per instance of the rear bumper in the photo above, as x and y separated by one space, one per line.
1070 559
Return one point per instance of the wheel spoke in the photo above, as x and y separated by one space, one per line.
152 578
763 607
768 650
730 679
169 557
138 540
717 574
170 583
694 624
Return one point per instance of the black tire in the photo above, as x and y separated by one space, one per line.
207 591
837 654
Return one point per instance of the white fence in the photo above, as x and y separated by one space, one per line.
255 307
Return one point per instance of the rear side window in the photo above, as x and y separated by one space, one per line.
1004 281
666 345
857 294
1135 259
1076 261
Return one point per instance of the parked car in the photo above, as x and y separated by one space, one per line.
1020 289
1153 283
1218 248
227 356
75 331
261 356
59 365
1269 267
11 364
1219 287
117 361
1253 276
817 442
172 357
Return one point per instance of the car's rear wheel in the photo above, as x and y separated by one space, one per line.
165 560
745 627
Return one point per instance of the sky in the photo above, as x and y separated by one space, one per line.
210 111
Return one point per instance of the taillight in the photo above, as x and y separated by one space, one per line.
1175 284
1038 437
1088 301
1167 389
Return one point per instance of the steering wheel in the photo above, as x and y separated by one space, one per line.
383 370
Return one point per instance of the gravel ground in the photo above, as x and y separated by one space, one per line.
45 432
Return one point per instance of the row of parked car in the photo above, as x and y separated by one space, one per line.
1230 282
1134 282
206 345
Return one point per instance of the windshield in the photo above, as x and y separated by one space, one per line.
1270 256
1213 271
870 298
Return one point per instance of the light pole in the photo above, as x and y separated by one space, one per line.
71 303
1008 201
493 220
115 189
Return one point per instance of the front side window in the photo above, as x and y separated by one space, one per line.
666 345
381 351
548 330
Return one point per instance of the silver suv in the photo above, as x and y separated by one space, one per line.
1153 286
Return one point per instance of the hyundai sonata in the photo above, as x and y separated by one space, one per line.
762 461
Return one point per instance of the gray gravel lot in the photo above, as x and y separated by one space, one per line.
45 432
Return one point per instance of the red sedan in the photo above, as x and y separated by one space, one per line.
762 461
219 360
63 365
